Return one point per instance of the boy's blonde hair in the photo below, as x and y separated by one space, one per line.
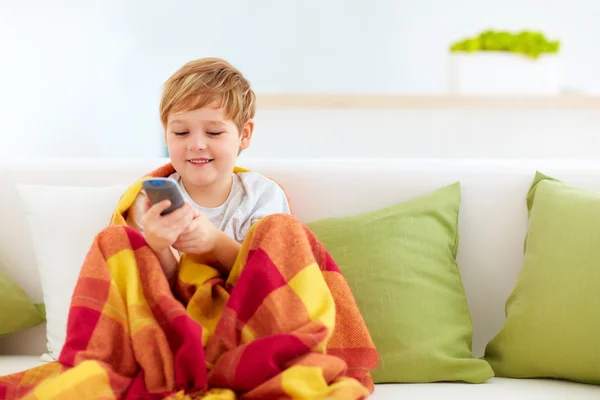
204 81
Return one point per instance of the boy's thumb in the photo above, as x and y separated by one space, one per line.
160 207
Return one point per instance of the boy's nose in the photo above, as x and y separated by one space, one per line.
197 143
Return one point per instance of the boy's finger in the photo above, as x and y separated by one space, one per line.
178 219
185 224
182 241
186 234
159 207
181 213
193 224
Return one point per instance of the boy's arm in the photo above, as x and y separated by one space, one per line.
226 250
169 262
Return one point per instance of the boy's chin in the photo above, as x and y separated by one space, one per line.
200 178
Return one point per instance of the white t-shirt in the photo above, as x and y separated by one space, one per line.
252 197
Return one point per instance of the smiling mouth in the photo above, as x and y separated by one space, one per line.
200 161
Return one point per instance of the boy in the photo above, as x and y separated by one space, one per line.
207 110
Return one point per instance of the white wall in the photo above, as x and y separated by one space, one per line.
83 78
428 133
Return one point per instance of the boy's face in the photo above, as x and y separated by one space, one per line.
203 145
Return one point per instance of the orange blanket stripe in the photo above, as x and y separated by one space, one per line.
283 324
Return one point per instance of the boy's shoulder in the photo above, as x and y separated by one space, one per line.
256 180
262 194
257 184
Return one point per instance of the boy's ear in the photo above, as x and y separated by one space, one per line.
246 135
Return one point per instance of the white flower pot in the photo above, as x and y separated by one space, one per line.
490 73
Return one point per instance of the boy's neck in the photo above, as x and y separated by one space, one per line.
211 196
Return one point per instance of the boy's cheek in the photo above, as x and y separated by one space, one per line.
174 150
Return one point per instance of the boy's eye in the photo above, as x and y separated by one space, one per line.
214 133
180 133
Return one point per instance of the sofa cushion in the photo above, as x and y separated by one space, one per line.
494 389
63 221
553 320
400 264
17 312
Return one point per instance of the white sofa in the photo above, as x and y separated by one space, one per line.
493 221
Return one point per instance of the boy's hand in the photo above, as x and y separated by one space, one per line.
202 238
161 231
199 237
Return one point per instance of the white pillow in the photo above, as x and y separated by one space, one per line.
63 221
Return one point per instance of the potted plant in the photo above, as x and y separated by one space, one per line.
500 62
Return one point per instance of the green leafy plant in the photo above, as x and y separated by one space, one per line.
530 44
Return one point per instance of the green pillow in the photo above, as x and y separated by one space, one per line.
400 264
552 327
17 311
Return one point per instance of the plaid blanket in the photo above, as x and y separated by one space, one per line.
282 324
